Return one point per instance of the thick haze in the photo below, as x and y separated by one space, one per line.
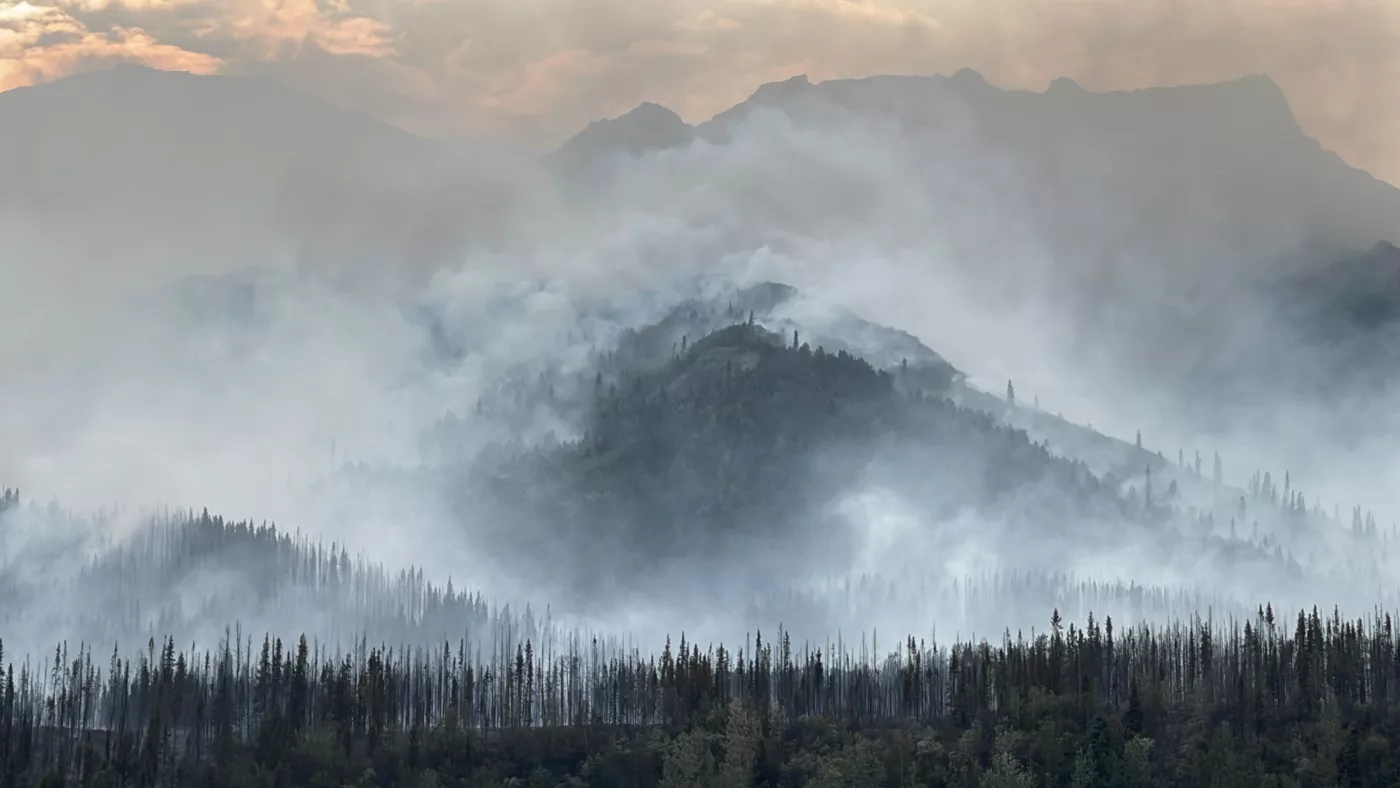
216 291
533 72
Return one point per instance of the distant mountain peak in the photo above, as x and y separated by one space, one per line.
1262 82
783 90
1231 111
1258 87
650 122
776 95
1065 85
141 68
970 77
648 126
1255 101
652 108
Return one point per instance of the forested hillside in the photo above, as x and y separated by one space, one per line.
745 481
714 440
732 446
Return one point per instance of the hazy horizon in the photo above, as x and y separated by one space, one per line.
533 75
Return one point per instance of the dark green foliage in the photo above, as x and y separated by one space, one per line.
1191 704
746 440
747 436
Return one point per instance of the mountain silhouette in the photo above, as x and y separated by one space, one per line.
214 172
159 134
646 128
1171 155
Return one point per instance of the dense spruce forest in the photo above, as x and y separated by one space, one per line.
711 453
1264 701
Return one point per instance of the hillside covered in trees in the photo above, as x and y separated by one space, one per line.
728 443
736 467
719 449
724 447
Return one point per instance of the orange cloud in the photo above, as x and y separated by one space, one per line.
140 6
279 29
535 87
48 41
41 43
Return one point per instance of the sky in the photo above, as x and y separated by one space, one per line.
534 72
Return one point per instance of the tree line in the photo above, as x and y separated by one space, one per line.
305 713
186 575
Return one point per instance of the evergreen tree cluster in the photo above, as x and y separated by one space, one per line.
188 576
1265 700
745 434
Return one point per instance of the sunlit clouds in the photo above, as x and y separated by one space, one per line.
533 72
281 29
40 43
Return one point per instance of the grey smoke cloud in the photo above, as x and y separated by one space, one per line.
941 235
112 396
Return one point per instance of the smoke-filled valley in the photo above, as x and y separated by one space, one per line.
908 359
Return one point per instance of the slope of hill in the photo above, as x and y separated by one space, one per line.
743 447
1352 308
1331 325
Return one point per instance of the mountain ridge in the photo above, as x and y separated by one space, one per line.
1183 178
1254 91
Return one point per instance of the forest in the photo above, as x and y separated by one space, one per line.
730 444
271 657
1264 701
